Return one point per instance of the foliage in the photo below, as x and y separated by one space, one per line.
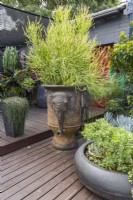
67 56
122 55
28 82
109 117
15 109
3 89
115 106
10 59
119 121
114 146
8 83
123 105
122 66
38 6
125 122
42 11
35 6
16 84
94 5
131 113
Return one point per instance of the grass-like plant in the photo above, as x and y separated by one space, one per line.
66 55
14 111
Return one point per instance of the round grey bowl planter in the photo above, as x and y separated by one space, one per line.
107 184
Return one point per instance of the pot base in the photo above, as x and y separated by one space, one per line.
65 147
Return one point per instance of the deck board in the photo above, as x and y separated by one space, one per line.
42 173
31 169
36 129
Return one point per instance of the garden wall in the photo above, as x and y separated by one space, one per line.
12 22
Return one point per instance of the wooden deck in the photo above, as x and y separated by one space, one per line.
36 129
39 172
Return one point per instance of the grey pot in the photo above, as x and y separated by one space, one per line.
41 96
107 184
11 129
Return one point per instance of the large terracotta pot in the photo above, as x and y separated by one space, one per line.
110 185
64 115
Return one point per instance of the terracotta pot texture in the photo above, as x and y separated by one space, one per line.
64 115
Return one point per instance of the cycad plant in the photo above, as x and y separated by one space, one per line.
66 55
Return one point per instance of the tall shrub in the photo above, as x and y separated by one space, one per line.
67 56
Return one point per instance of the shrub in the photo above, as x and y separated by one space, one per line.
67 56
15 109
112 146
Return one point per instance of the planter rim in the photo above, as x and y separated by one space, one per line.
64 86
83 148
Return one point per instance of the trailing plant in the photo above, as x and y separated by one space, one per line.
114 147
66 56
10 58
15 109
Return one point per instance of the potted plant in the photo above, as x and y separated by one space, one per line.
28 84
14 111
41 95
67 62
105 163
13 108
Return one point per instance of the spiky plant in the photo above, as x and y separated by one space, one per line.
14 111
10 59
67 56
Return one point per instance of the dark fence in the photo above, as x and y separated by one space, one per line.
12 22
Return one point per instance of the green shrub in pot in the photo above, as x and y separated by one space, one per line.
66 55
67 61
14 110
112 147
